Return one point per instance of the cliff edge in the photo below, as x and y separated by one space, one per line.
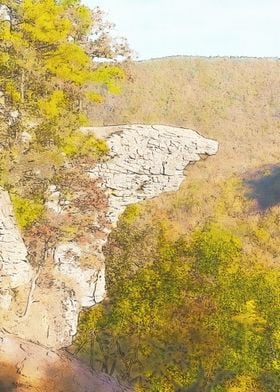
39 305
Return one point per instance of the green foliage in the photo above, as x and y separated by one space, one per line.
214 246
27 211
131 213
79 144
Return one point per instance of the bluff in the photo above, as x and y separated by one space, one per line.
39 306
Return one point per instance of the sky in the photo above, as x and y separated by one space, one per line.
158 28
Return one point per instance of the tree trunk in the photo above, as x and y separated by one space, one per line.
22 86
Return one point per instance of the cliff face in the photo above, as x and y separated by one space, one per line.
15 270
41 304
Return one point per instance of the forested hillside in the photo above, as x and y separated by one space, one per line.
193 277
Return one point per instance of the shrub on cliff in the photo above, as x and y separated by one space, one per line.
27 211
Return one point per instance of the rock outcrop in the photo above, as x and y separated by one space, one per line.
145 161
41 304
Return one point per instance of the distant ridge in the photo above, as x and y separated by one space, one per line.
193 57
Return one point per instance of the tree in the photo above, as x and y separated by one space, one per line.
46 68
47 75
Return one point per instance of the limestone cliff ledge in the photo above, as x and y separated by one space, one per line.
145 161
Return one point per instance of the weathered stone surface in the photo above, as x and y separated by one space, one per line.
146 160
26 367
88 283
41 304
13 253
14 267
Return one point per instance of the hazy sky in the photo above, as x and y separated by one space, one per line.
156 28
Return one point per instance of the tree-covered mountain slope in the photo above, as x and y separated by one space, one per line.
193 277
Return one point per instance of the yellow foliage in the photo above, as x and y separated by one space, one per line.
94 97
51 107
70 62
68 232
44 20
262 235
276 364
243 384
276 337
231 198
79 144
131 213
109 75
83 120
250 317
4 57
27 211
12 92
83 14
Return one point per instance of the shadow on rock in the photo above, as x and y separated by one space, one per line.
74 377
65 377
29 367
8 378
264 187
